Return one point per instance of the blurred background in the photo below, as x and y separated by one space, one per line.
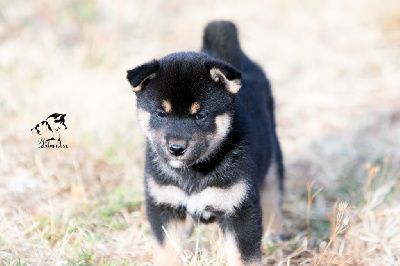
335 73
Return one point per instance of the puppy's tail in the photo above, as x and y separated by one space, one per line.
220 40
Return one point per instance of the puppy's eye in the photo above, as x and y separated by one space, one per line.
200 116
161 114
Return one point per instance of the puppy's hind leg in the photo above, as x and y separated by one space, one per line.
271 198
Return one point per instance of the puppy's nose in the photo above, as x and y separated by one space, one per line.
176 149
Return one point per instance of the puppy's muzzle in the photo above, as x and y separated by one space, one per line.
176 145
177 149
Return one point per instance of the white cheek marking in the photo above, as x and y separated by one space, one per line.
144 120
222 124
221 199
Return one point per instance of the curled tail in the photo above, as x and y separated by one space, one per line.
220 40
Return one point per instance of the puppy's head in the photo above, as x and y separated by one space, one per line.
57 121
186 103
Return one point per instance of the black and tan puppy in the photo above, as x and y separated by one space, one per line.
212 150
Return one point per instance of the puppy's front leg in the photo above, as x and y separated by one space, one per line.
243 234
168 226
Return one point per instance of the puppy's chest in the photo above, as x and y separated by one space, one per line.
204 204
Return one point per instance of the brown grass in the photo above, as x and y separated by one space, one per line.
334 66
310 198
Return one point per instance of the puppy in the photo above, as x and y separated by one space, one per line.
212 150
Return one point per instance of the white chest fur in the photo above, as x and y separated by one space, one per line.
220 199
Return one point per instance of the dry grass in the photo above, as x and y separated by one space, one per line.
334 66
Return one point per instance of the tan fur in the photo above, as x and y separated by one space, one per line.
165 255
168 194
176 163
224 199
167 106
144 120
169 252
233 86
221 199
232 252
222 123
270 201
194 108
139 87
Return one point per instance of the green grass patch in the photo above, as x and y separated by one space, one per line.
110 208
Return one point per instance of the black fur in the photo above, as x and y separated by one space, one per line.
137 75
58 118
246 151
220 40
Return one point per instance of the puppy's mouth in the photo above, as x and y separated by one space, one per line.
189 158
179 163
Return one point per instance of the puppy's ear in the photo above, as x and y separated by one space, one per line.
224 73
139 76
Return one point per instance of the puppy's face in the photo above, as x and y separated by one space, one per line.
185 105
57 122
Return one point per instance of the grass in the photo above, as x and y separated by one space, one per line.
334 69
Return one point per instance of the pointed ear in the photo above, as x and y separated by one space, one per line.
139 76
224 73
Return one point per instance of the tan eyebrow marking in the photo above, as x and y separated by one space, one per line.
167 106
194 108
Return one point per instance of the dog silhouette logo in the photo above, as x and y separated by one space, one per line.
49 131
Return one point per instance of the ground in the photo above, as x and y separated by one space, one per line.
334 68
